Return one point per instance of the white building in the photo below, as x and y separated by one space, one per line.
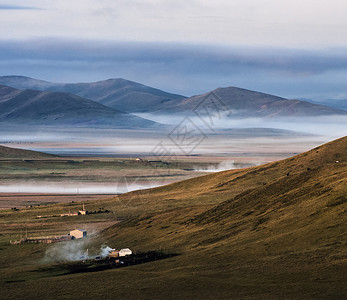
125 252
83 211
78 234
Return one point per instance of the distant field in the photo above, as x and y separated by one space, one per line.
92 169
21 200
87 177
91 174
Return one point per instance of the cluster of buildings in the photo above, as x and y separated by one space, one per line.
120 253
73 235
80 212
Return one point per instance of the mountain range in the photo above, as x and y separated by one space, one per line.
132 97
117 93
55 108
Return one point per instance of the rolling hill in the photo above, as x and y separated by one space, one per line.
117 93
133 97
273 231
237 102
33 107
276 231
8 152
339 104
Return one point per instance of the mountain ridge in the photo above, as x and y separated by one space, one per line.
58 108
239 102
134 97
117 93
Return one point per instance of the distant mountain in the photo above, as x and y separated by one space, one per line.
261 132
117 93
7 152
245 103
336 103
131 97
31 107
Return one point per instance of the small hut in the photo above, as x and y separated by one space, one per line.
78 234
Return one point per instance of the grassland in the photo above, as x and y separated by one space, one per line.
276 231
79 169
26 173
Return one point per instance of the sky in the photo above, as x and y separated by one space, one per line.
291 48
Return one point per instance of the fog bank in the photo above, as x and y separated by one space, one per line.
74 188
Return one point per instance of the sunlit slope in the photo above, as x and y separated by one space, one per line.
278 229
317 166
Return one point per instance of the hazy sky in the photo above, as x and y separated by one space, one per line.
288 47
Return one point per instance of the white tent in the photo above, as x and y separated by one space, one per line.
125 252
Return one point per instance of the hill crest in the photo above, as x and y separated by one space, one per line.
58 108
118 93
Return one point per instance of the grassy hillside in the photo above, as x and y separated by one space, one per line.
7 152
276 231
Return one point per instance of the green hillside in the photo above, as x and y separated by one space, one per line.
276 231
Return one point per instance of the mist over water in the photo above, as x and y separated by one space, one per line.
74 188
229 138
330 126
224 132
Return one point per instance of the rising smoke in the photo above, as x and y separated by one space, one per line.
226 165
73 251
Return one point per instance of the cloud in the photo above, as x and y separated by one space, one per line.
287 23
16 7
182 68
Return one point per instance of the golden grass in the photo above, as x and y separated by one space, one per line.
276 231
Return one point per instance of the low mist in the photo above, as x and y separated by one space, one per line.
330 126
219 138
226 165
75 188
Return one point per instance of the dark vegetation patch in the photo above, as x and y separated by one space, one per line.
97 265
259 222
248 213
338 201
14 281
